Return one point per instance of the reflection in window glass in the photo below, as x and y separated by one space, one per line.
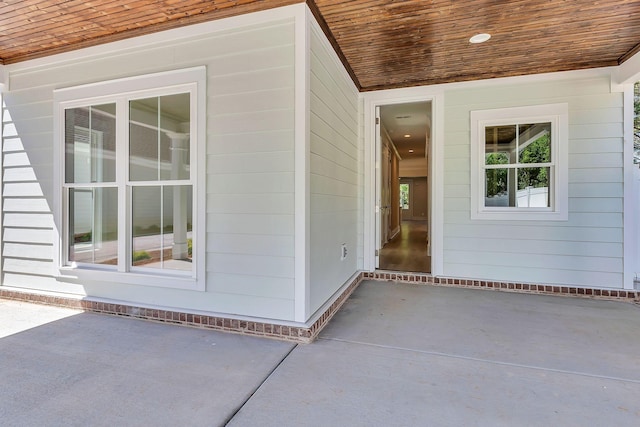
499 142
159 138
507 149
497 158
533 188
93 225
162 227
534 143
496 189
90 144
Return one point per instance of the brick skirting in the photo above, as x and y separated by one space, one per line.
302 334
299 334
418 278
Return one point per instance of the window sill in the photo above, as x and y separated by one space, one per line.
167 280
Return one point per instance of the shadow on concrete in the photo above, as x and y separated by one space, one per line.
98 370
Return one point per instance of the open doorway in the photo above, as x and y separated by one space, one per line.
404 194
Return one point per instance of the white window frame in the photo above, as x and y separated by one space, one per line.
120 92
558 116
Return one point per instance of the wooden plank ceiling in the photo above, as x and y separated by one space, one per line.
384 44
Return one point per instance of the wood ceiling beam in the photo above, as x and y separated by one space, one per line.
629 54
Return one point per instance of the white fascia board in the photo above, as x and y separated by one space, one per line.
162 37
401 95
628 72
4 78
428 90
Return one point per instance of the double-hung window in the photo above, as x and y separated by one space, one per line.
131 190
519 163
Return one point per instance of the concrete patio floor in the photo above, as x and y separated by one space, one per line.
395 355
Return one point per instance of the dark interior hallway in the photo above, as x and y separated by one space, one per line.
407 251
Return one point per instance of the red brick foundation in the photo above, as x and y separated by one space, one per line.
299 334
417 278
302 334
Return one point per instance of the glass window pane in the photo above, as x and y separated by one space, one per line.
143 139
534 144
175 119
533 188
497 158
496 187
93 225
90 144
500 144
159 138
146 226
162 220
404 196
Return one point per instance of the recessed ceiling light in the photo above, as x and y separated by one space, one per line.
407 136
480 38
411 151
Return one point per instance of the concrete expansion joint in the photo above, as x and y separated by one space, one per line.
481 360
262 383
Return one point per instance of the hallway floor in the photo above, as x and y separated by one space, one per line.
394 355
407 251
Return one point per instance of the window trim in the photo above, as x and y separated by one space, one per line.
558 116
191 80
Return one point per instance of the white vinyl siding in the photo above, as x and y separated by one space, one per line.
27 237
585 250
249 163
334 172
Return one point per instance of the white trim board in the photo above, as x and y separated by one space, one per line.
630 244
436 197
558 116
628 72
440 88
302 243
192 80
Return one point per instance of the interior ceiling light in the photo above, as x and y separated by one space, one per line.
407 136
411 151
480 38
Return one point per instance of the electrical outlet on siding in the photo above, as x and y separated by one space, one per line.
343 252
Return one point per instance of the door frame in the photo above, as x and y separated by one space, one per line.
385 215
372 156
